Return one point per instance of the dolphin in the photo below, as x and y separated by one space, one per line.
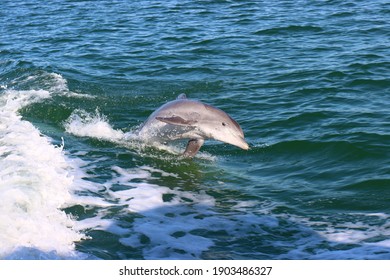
193 120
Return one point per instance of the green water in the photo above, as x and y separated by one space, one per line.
307 81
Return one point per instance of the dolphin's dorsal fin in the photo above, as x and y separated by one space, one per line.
182 96
176 120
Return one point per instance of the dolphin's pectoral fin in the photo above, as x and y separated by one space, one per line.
175 120
193 147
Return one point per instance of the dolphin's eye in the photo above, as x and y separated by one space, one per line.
224 124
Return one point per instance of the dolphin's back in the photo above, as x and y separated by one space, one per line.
154 129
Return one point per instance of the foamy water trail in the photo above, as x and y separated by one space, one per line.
164 216
35 178
167 223
171 223
84 124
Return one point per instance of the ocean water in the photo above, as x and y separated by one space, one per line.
308 81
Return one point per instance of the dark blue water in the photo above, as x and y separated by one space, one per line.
308 81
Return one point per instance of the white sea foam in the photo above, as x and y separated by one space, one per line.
84 124
359 232
356 239
51 82
96 125
168 222
159 218
34 181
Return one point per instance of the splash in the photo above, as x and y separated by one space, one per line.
84 124
35 179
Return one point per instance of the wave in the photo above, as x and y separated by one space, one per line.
291 29
84 124
36 177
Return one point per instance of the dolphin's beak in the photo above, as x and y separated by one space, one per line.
242 144
235 140
238 142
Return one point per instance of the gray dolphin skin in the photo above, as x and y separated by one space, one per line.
193 120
